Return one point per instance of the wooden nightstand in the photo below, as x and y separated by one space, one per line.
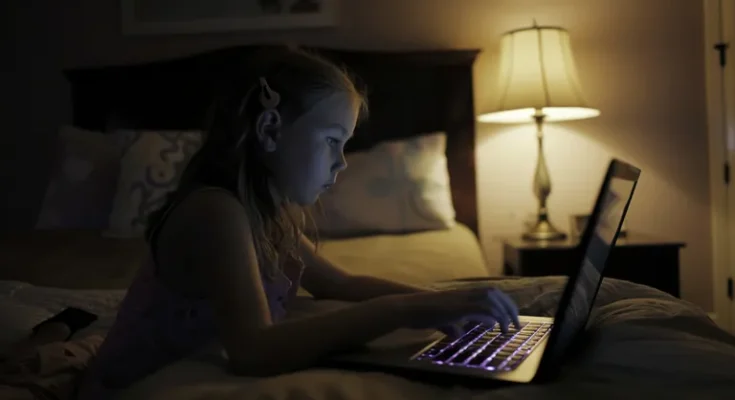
636 258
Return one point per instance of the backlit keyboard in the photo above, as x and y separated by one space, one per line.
488 348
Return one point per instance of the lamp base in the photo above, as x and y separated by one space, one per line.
543 230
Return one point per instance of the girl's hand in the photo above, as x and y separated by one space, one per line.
451 310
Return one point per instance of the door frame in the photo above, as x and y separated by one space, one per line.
724 307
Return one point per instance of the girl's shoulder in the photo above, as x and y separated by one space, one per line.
202 221
203 209
209 197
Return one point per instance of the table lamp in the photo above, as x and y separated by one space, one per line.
538 82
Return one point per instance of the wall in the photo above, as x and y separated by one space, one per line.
640 62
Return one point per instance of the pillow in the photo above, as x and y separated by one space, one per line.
150 168
83 181
395 187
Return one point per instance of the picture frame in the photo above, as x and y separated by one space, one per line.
161 17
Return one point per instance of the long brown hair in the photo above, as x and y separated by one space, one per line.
231 155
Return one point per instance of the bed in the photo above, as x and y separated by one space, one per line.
410 95
641 343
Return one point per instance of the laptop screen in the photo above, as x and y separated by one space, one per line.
612 209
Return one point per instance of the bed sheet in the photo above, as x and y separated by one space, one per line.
416 258
641 343
23 305
87 260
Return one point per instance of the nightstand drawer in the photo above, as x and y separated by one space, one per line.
636 258
657 267
541 263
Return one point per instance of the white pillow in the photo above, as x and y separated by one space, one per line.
83 181
395 187
150 168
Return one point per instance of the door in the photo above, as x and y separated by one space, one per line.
728 12
719 27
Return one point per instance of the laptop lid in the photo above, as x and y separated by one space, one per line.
599 237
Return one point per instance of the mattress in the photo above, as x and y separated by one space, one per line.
415 258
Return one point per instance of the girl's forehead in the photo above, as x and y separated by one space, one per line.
337 108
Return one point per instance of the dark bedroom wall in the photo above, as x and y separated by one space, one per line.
641 63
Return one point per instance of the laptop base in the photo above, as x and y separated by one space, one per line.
397 356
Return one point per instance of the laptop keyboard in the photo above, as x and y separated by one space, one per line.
488 348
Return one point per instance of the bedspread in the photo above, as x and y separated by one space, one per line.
641 343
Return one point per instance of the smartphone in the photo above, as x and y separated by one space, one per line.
75 318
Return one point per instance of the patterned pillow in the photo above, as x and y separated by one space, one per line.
83 181
395 187
150 168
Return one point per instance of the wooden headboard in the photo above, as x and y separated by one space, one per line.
409 93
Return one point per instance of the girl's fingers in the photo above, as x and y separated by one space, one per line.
498 315
484 319
492 303
454 331
509 306
502 308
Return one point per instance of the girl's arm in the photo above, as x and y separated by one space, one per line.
211 229
325 280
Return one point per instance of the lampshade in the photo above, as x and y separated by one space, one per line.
538 76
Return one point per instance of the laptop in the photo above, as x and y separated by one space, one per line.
536 350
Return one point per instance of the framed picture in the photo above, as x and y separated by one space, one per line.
156 17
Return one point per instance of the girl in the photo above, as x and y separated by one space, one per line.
227 250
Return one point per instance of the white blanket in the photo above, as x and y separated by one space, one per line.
641 343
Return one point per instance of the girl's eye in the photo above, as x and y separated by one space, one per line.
332 141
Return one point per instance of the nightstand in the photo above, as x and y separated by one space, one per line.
637 258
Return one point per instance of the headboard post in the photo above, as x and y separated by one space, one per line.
461 153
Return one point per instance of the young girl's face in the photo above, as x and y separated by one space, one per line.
309 153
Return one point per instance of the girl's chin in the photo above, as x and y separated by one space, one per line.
309 198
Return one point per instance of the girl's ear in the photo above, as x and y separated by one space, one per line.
268 129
